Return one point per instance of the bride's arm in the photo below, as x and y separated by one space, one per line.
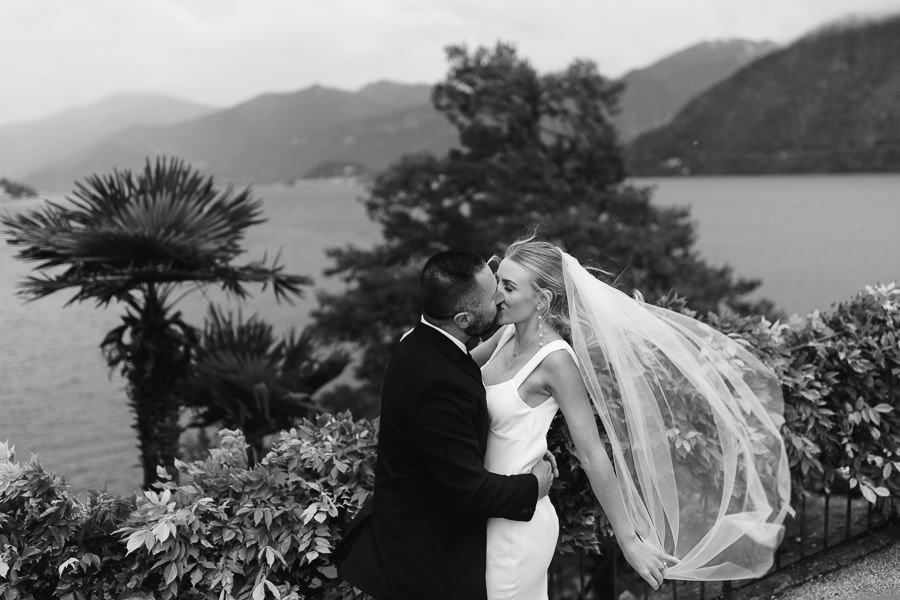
566 386
482 352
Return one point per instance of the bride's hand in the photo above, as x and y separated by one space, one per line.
647 561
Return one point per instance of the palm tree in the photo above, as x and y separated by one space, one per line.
133 238
244 378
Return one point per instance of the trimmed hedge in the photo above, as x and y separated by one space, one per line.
229 531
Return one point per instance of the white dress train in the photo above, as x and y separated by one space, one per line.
519 552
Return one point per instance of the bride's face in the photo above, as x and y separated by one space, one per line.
518 296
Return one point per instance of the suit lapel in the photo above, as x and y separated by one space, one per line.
453 353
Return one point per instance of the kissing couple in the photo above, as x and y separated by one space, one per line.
697 485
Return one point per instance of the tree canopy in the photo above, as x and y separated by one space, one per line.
534 150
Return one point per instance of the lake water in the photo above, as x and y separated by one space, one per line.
813 240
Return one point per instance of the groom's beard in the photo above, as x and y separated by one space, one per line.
482 327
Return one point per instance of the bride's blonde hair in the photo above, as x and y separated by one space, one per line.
543 261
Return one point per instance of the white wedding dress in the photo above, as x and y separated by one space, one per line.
519 552
693 420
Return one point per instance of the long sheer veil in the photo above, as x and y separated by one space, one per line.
693 420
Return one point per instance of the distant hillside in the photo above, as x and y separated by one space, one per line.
27 146
377 142
282 137
654 94
275 137
13 190
828 103
331 169
398 95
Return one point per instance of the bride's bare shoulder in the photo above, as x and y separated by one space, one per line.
482 352
560 365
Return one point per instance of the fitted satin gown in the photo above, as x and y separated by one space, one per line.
519 552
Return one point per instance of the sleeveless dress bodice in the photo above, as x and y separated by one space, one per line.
519 552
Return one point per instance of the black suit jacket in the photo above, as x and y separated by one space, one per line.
423 533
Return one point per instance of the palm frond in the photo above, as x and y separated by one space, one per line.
104 286
166 224
246 377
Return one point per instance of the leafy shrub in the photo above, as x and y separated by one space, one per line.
232 531
840 376
582 523
51 542
243 377
228 531
856 354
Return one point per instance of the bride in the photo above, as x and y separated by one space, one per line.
698 486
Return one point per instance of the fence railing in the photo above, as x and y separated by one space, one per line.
820 522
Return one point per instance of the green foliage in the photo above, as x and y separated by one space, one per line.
839 374
132 238
857 359
582 523
244 378
121 232
268 530
230 531
536 150
839 378
51 542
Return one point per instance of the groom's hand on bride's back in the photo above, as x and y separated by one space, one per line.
543 470
548 456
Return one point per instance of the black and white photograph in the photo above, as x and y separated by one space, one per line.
451 300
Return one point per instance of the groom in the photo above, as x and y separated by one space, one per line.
423 532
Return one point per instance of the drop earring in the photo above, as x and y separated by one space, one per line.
540 331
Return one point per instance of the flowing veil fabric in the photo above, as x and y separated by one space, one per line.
693 420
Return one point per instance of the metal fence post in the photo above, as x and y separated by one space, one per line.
802 526
849 515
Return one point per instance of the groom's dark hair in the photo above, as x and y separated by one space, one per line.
447 285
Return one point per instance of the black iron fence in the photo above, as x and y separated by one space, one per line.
820 522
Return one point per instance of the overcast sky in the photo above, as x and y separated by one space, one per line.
56 54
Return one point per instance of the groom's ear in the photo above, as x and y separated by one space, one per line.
462 319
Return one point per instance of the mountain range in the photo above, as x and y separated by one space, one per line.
702 98
28 146
654 94
310 132
828 103
274 137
